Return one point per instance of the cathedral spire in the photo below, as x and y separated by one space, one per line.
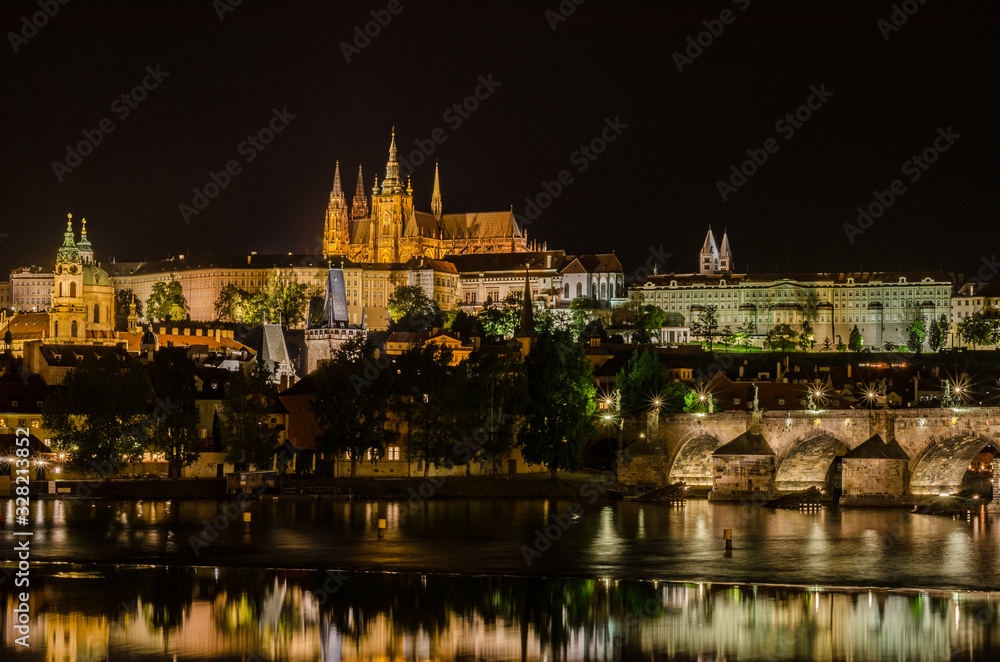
725 253
86 251
359 206
338 189
68 252
436 196
391 182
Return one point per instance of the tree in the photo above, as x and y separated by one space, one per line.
640 381
807 339
428 390
123 298
497 389
707 325
316 312
461 323
827 344
698 402
856 341
98 414
560 402
353 398
174 425
915 334
501 318
648 322
975 329
582 309
250 400
166 301
889 346
412 310
229 305
936 336
744 335
781 337
727 337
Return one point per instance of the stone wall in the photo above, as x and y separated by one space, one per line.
737 477
873 481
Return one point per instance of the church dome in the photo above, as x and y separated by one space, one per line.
149 341
94 275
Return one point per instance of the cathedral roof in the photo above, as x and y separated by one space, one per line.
474 225
592 264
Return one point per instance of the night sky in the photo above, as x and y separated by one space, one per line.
607 63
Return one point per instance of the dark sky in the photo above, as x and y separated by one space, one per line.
654 185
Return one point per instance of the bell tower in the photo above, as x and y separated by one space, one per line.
68 316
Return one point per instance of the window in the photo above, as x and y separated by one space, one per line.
392 453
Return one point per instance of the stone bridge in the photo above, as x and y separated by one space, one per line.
940 444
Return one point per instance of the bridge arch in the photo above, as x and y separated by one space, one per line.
809 462
693 462
945 463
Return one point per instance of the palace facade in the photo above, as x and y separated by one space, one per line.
390 229
883 305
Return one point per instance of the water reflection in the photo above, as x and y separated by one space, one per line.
245 614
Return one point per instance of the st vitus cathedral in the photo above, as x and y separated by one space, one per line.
391 230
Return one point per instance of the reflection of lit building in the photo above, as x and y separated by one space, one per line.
74 637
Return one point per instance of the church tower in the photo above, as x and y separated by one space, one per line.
391 207
725 254
67 317
336 235
709 259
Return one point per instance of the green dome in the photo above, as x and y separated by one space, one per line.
94 275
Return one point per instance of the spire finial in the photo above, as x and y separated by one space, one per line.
391 180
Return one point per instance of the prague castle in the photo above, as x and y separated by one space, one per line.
389 229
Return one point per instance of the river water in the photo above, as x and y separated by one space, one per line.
497 579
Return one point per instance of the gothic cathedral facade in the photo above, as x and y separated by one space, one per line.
390 229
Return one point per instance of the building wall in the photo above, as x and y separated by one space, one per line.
31 289
882 311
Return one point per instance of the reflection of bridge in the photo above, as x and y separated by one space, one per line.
940 444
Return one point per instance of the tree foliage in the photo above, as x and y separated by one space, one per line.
412 310
166 301
174 426
706 326
781 337
560 403
352 403
98 414
249 402
976 329
807 337
855 341
282 300
915 334
497 391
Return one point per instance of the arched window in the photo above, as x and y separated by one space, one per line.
579 289
604 290
566 291
97 314
72 289
611 290
72 329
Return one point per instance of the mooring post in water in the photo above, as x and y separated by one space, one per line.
246 522
381 529
728 535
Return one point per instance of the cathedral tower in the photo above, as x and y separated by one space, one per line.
336 235
725 254
709 259
392 206
67 317
359 205
436 196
